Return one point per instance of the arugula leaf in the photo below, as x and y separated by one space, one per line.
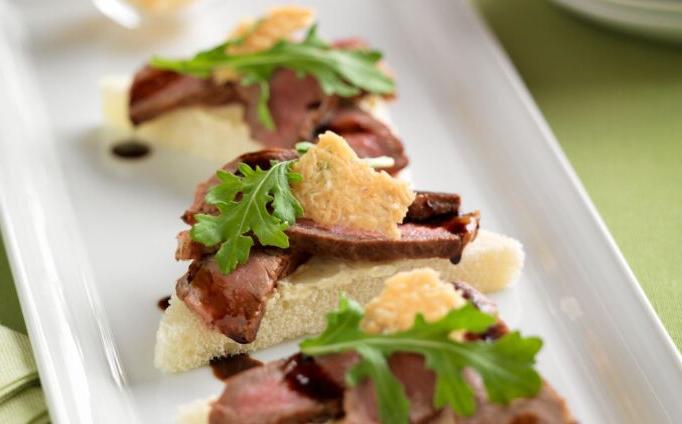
339 71
266 208
302 147
506 365
393 404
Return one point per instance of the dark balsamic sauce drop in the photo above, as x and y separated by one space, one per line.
130 149
227 366
305 376
494 332
163 303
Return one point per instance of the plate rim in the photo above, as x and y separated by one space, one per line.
524 94
655 19
39 278
20 83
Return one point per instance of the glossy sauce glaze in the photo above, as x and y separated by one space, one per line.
227 366
494 332
130 149
163 303
305 376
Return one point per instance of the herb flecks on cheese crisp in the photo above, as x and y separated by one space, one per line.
339 189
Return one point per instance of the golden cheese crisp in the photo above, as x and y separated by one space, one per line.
407 294
160 6
280 23
339 189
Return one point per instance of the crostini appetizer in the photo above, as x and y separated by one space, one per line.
273 83
277 235
423 351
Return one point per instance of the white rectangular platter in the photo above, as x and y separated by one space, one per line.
91 239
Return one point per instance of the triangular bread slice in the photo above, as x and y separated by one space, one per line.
301 301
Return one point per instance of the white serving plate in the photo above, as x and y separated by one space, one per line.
660 19
91 239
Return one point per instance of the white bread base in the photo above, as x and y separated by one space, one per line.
300 302
217 133
196 412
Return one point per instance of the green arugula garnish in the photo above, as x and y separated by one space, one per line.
339 71
302 147
265 207
506 365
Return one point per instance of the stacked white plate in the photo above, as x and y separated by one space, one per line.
660 19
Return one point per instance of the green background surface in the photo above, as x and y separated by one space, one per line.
10 312
615 104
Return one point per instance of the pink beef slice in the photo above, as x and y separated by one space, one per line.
269 394
234 304
293 104
367 135
155 92
298 106
282 391
419 382
262 396
416 240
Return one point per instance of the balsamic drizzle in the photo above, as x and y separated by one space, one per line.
225 367
130 149
163 303
305 376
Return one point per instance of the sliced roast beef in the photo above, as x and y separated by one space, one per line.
234 304
350 43
298 389
486 305
303 389
189 250
295 106
368 136
360 405
432 229
446 240
429 205
262 396
298 106
260 158
360 402
155 92
480 301
547 407
426 206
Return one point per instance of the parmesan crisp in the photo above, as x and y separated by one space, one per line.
407 294
281 22
339 189
160 6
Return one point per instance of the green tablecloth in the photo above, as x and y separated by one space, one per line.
615 104
10 312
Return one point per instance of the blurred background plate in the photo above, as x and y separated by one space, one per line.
660 19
